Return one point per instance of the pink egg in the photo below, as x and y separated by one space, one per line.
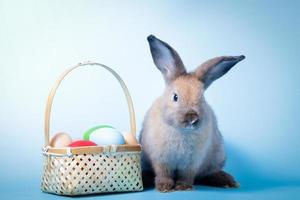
82 143
60 140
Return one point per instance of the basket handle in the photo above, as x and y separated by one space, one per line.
60 79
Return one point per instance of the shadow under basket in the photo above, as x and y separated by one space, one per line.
90 170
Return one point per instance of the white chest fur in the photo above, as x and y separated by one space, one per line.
180 150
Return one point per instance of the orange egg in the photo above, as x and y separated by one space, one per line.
130 139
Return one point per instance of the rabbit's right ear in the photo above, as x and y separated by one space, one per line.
166 59
214 68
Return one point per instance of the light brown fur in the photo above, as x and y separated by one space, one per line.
180 137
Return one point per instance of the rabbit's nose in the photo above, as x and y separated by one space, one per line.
192 118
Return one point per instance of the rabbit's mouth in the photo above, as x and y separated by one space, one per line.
190 128
191 125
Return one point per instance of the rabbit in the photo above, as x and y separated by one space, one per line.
181 142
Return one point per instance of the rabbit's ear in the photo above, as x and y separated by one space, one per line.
166 59
215 68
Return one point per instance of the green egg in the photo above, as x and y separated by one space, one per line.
86 135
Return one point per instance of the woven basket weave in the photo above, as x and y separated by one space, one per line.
90 170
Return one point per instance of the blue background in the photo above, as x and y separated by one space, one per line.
257 102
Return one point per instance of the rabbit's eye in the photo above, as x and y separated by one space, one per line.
175 97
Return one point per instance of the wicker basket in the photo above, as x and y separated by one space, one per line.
90 170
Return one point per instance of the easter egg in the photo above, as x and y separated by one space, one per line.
82 143
130 139
60 140
104 135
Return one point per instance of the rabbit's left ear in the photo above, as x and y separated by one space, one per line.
166 59
215 68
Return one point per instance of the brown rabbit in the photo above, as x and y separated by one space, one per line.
180 137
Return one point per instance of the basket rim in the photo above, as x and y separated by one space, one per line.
48 150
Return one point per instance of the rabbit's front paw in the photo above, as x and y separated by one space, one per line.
164 184
183 186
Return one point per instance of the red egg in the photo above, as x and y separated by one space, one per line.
82 143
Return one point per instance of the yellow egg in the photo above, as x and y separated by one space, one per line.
60 140
130 139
